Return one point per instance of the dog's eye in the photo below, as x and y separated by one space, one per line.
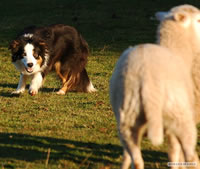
36 55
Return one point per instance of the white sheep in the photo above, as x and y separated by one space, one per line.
152 89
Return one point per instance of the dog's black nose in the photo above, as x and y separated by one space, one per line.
30 64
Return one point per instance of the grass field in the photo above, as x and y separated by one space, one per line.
78 130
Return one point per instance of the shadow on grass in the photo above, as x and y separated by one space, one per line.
7 94
154 156
8 85
14 86
32 148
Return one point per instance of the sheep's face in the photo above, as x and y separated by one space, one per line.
196 22
190 22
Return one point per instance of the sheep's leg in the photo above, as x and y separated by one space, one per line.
126 160
188 140
175 153
131 137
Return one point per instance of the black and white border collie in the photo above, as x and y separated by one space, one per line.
36 51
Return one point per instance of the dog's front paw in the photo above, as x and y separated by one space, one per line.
33 92
18 91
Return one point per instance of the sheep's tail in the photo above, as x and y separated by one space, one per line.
137 100
152 104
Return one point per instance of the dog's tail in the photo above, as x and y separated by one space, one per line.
84 47
86 84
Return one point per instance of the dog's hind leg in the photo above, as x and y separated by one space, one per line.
68 84
57 67
84 83
64 78
76 81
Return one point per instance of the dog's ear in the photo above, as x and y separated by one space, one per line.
14 46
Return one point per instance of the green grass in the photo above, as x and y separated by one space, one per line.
78 130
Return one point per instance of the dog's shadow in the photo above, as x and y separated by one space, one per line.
5 93
13 87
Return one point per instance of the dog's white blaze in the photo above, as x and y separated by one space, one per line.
29 58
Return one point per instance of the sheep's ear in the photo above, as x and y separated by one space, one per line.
183 18
161 15
180 16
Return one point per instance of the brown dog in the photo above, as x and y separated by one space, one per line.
36 51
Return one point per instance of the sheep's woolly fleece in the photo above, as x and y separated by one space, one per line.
155 87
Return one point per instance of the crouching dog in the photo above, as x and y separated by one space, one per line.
38 50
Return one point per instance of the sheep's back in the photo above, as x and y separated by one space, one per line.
154 67
196 82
